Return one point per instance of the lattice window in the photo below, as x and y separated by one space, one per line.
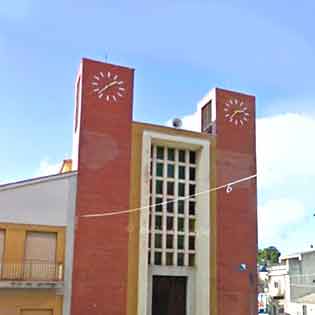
172 225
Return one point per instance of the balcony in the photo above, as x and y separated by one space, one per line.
277 292
31 274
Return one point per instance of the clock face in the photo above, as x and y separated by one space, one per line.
108 86
236 112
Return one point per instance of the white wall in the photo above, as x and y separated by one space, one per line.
42 201
277 274
69 248
297 309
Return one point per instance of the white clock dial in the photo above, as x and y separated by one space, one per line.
236 112
108 86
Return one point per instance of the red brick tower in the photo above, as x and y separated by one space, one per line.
230 116
102 141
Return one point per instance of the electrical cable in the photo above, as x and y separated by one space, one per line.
228 187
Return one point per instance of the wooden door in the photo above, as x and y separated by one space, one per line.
169 295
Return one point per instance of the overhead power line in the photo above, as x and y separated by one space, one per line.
227 186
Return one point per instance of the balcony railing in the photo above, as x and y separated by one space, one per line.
31 271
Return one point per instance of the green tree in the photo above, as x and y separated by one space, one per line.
269 255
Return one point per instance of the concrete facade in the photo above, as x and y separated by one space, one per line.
301 272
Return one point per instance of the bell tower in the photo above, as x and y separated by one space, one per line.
230 117
101 154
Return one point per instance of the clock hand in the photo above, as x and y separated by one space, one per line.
102 90
107 86
111 84
238 111
233 114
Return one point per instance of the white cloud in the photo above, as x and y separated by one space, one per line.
274 216
190 122
47 168
285 154
285 148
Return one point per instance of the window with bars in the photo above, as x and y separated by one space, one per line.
172 213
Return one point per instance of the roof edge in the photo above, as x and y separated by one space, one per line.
198 134
36 180
297 255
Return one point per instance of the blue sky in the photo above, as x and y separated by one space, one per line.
180 49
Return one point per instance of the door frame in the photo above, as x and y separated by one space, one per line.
167 271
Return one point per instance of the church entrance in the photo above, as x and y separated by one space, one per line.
169 295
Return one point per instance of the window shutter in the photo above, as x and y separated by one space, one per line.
41 247
40 256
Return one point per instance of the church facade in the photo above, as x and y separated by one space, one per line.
161 220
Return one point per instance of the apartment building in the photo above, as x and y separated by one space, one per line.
292 284
33 221
147 219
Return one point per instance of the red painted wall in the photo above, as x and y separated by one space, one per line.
99 284
236 212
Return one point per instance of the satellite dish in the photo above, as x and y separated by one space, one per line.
177 123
